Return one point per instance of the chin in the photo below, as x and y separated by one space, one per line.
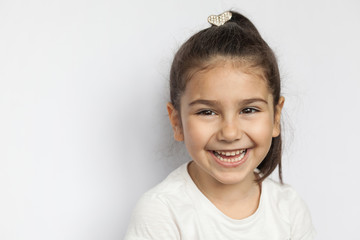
231 179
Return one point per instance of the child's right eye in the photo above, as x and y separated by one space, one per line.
206 113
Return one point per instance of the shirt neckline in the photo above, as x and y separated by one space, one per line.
203 202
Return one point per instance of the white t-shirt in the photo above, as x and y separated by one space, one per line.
176 209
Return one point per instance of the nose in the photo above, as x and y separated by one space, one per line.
230 131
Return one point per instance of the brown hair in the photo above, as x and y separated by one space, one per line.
236 40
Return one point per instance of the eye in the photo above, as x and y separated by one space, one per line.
206 112
249 110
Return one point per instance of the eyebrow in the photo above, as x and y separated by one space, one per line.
216 103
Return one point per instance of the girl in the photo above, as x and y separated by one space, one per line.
226 107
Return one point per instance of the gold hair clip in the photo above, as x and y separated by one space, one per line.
219 20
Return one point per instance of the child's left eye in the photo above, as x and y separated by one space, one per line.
249 110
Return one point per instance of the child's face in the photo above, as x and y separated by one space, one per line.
225 111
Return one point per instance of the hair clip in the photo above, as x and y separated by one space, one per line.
219 20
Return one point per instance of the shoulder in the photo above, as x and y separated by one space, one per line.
291 207
172 189
280 192
153 216
286 197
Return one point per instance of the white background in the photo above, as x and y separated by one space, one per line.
83 124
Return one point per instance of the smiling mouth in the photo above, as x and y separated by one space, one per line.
230 156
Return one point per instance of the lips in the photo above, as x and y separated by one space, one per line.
230 156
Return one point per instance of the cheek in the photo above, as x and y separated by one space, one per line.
261 131
196 134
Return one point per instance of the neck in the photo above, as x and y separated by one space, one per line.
218 192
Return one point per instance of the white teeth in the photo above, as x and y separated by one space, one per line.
232 153
218 155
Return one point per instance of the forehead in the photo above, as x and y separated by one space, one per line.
226 80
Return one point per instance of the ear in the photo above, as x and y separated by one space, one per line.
278 108
175 122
